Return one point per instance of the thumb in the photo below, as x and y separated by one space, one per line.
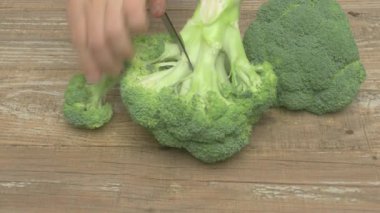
157 7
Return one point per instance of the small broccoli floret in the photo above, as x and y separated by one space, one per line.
313 52
84 107
209 110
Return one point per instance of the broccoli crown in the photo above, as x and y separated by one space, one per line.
209 110
84 107
313 52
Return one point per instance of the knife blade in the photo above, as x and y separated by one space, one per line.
175 36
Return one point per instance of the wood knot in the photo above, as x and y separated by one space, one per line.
354 14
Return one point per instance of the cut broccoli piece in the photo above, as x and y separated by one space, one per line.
209 110
313 52
84 107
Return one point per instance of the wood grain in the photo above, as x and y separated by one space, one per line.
296 162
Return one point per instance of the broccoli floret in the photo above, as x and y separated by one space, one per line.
313 52
209 110
84 107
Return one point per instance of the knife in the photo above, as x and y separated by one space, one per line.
175 36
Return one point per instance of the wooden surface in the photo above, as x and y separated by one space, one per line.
296 162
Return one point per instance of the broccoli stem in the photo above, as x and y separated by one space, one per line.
222 74
213 41
98 91
243 74
174 75
171 53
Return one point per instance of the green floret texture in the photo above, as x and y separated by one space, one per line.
313 52
208 111
84 105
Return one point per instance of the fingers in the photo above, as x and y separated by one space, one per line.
90 67
157 7
135 15
101 31
77 21
117 34
97 38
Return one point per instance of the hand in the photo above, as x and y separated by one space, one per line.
101 32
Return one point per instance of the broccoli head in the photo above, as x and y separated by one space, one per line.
313 52
209 110
84 107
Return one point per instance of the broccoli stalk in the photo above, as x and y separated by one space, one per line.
84 105
209 110
213 40
214 31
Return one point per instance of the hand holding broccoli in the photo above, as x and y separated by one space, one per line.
101 32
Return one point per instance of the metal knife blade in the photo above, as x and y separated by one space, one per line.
175 36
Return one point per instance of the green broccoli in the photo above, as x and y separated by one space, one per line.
313 52
84 107
209 110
